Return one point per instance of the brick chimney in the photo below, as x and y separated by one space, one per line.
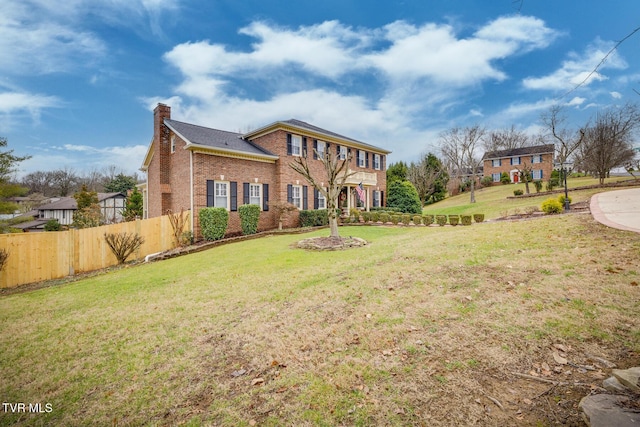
161 140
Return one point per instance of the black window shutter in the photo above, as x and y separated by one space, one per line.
338 150
366 156
382 160
315 148
210 193
265 197
315 198
245 193
382 198
305 200
304 146
289 193
288 144
234 196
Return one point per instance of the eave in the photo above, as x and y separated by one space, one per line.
226 152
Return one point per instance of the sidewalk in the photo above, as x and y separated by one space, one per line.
618 209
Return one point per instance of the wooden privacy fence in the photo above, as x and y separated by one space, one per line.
34 257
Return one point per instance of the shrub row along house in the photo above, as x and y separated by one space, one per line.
538 160
191 167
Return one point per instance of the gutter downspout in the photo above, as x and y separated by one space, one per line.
191 187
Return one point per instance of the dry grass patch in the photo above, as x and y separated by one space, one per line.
421 326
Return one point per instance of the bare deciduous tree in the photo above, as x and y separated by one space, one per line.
507 139
608 143
281 209
336 175
459 146
566 140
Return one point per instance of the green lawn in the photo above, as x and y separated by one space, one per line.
417 327
493 201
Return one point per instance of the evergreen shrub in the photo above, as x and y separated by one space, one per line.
249 216
213 223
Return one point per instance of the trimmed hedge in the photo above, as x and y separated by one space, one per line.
417 219
441 220
213 223
314 218
466 219
385 217
427 219
454 219
395 219
406 219
249 216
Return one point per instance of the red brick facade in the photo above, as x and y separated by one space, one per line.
178 171
539 159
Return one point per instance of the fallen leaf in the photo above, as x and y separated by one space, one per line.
238 373
559 359
527 401
253 422
561 347
634 283
478 401
545 366
257 381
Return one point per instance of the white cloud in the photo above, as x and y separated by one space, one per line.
578 69
615 95
16 104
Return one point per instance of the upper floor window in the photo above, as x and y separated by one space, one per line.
321 147
376 161
173 143
361 158
496 162
343 152
536 159
296 145
515 160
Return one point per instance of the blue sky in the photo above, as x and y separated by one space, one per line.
80 79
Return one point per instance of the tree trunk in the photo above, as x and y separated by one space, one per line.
333 225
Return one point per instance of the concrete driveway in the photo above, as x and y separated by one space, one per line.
618 209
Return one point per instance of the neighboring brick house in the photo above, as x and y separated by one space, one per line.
191 167
539 158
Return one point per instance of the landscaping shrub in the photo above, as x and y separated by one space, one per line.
486 181
518 192
478 217
550 185
529 210
395 219
441 220
466 219
427 219
375 216
562 199
385 217
404 197
454 219
417 219
314 218
52 225
504 178
249 216
406 219
366 216
551 206
123 244
538 184
213 222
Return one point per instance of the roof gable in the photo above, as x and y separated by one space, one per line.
524 151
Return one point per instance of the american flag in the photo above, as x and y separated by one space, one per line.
360 191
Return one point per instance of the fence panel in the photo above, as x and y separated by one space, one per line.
34 257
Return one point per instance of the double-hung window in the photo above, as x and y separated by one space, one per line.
173 143
496 163
515 160
537 174
296 196
322 202
376 161
495 177
296 145
536 159
222 194
321 147
254 194
361 158
343 152
376 199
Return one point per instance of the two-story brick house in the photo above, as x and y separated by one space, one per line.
191 167
539 158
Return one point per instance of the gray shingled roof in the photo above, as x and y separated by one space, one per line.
525 151
215 138
66 203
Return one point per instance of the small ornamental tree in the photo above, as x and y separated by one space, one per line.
88 213
213 223
134 207
404 197
123 244
52 225
249 216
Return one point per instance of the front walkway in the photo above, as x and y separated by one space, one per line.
618 209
